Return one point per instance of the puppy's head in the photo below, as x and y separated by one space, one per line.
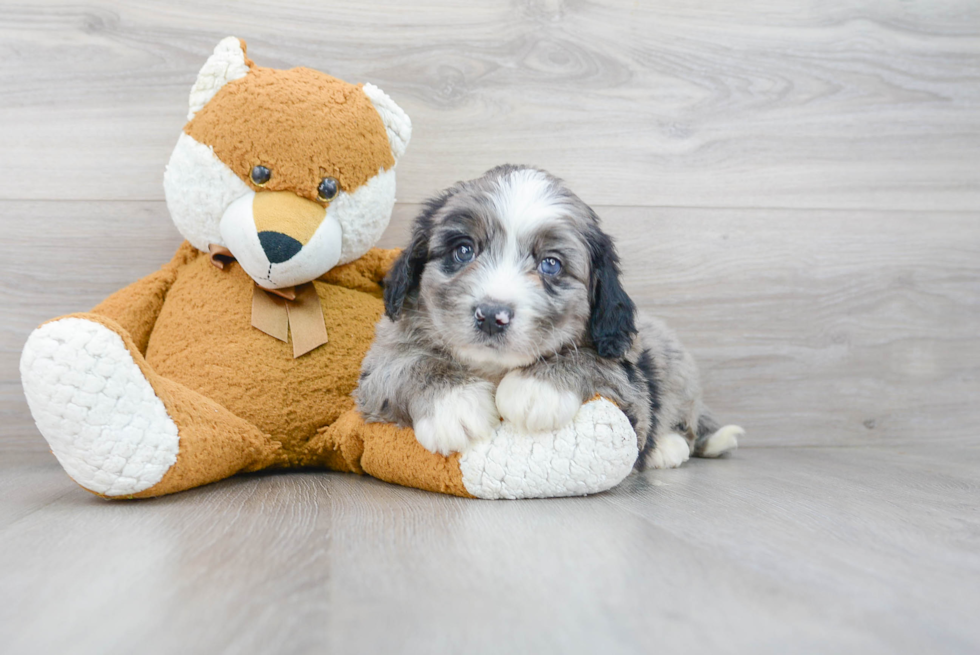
512 267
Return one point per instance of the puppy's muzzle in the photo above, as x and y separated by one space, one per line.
493 319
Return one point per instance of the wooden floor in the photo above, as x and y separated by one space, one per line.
794 186
862 550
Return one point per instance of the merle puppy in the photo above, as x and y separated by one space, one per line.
508 304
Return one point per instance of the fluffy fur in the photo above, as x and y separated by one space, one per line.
508 304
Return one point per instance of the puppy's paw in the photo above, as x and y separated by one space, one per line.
669 452
458 416
535 405
723 441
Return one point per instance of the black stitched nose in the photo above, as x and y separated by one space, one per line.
279 247
492 319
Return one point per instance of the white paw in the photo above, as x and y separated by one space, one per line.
535 405
671 450
90 400
722 441
460 415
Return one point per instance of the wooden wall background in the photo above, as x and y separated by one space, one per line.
794 185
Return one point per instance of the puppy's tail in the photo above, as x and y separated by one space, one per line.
712 440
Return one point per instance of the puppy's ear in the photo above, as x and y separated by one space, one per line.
403 278
612 324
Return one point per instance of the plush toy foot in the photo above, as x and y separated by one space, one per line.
118 428
592 454
101 417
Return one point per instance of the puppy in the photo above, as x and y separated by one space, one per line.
508 304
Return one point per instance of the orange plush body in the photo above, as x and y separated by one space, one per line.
240 400
241 353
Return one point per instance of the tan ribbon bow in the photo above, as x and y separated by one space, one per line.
279 311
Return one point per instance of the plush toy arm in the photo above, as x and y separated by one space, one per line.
136 307
364 274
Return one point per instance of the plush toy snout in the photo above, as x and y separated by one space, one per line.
285 222
281 239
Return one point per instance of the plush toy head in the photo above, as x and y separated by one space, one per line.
292 171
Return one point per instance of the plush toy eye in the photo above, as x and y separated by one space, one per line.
260 175
464 253
549 266
328 189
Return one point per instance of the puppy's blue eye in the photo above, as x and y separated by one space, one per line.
464 253
549 266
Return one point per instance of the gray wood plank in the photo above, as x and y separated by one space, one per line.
818 327
829 105
793 187
868 550
30 480
811 327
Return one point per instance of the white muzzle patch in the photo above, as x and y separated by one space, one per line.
316 257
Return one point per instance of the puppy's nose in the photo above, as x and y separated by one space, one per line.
279 247
492 319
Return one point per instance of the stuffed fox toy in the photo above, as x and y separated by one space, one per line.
242 352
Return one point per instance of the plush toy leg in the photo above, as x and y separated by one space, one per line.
594 453
120 430
383 451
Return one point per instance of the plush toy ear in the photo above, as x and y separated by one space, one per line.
612 324
226 64
397 123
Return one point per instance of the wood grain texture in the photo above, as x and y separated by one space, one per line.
674 103
772 551
794 187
